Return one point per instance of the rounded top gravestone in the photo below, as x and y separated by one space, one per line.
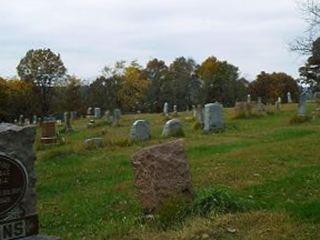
173 128
140 131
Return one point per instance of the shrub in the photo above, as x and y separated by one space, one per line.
217 201
172 212
209 201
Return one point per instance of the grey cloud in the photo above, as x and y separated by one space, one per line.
89 34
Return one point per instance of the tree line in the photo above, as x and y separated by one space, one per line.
43 86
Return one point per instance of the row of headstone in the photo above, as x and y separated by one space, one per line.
25 121
113 118
212 117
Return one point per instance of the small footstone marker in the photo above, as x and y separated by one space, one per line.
18 212
161 172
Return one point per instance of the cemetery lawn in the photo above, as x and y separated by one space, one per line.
260 179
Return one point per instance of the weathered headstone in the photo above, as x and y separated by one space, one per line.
173 128
97 112
289 98
161 172
67 122
213 117
140 131
302 108
18 211
116 117
108 117
166 109
48 132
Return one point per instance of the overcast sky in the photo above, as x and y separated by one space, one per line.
251 34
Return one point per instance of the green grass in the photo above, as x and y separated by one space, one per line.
261 177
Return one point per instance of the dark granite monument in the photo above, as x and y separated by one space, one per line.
18 213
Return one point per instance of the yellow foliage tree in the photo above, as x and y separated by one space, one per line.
133 87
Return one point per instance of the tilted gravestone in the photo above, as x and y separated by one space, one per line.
140 131
173 128
213 117
161 171
18 212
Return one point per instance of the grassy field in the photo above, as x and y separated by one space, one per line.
260 179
